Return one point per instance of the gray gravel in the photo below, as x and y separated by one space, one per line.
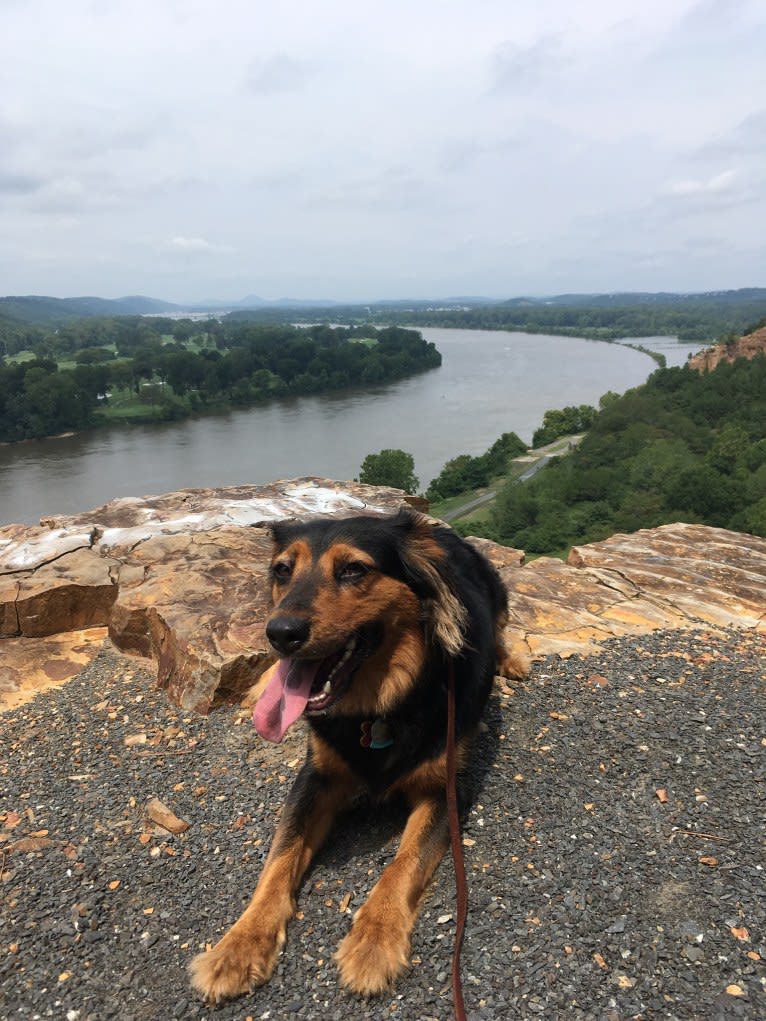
589 897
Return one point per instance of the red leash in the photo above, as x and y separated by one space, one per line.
457 849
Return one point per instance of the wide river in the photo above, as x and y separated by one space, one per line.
489 383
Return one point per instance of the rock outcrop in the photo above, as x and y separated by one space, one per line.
749 346
180 579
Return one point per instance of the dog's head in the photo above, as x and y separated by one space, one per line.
356 601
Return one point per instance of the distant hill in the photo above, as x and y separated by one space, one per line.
748 302
621 299
34 308
42 310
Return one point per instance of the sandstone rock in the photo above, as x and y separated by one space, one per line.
556 609
25 549
180 578
53 581
498 556
29 665
177 577
197 603
73 592
705 574
126 521
745 347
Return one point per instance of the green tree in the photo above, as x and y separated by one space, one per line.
562 422
464 472
458 475
394 468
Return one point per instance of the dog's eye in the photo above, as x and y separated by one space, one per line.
281 571
353 571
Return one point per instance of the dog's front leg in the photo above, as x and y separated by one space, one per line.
247 954
377 948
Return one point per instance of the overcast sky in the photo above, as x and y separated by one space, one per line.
191 149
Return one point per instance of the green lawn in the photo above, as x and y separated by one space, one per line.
126 404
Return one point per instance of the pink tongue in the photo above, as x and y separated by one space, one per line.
284 698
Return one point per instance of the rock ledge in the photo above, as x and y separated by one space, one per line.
179 579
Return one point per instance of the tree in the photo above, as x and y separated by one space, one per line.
564 421
394 468
459 475
464 472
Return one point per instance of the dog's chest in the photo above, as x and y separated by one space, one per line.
382 749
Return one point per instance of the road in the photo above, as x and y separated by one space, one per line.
538 460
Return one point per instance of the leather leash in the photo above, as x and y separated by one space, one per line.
457 849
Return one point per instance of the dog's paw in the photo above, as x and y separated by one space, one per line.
373 954
514 665
235 965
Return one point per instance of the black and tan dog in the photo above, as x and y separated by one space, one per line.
368 615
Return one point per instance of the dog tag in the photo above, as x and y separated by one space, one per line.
375 734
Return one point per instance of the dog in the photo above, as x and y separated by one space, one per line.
369 616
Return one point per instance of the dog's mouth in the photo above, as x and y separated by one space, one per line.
309 686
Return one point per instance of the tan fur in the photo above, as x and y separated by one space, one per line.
446 614
376 949
247 954
431 775
386 677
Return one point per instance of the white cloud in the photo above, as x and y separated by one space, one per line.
194 246
718 184
516 65
346 149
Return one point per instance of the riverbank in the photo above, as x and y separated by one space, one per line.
461 407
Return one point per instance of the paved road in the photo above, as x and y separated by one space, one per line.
546 454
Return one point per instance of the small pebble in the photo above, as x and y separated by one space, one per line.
554 888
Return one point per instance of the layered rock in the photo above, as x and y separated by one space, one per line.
181 579
196 602
29 665
178 578
749 346
674 576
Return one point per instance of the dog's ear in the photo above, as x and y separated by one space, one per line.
429 574
279 531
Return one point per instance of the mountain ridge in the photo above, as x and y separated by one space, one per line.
49 310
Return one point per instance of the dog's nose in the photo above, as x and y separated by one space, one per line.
287 634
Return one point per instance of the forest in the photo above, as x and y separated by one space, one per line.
93 371
684 446
707 316
689 318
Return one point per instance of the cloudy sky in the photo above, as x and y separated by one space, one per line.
191 149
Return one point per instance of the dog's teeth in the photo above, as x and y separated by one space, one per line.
350 646
348 650
327 688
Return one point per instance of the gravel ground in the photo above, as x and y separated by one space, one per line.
615 849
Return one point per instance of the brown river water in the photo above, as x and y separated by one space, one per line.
489 383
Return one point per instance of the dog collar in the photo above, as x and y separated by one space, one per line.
375 734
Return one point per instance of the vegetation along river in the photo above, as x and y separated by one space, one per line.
489 383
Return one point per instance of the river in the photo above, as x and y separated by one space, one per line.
489 383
